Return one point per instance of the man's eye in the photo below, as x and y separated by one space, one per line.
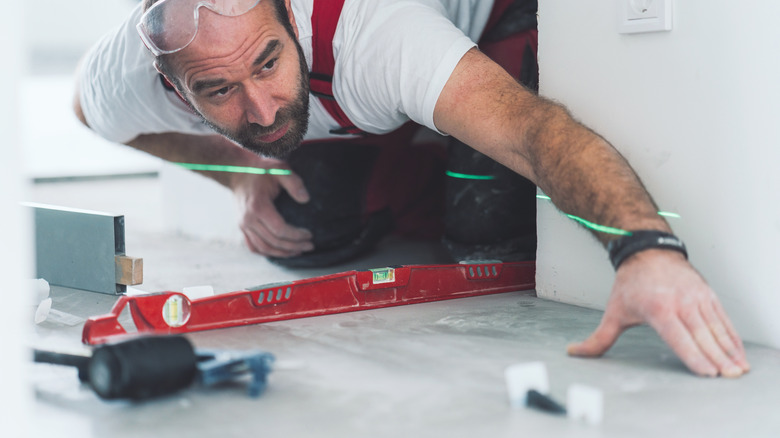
269 65
221 92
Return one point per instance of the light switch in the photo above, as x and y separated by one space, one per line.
637 16
642 9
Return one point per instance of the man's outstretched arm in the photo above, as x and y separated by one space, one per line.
585 176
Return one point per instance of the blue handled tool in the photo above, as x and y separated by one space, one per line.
148 367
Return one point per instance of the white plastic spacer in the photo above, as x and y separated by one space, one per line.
521 378
585 402
195 292
40 290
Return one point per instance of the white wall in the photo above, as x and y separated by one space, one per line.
70 26
196 206
58 34
67 148
695 111
15 258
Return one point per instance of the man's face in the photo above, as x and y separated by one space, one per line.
247 78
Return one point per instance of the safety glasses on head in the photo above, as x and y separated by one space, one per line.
171 25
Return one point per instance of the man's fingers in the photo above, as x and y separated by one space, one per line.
679 338
266 221
277 232
257 245
249 243
599 341
265 230
740 357
283 237
270 235
713 341
727 340
293 185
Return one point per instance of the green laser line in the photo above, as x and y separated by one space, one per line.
604 228
467 176
234 169
262 171
597 227
660 213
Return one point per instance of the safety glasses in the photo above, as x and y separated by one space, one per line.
171 25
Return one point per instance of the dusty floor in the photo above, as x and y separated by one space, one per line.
425 370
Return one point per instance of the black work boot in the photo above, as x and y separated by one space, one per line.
336 176
490 211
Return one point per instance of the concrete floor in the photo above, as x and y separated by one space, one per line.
425 370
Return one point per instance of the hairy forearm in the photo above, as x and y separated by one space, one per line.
584 175
212 149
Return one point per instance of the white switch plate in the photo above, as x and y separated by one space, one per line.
637 16
642 9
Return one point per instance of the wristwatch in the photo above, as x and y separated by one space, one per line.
626 246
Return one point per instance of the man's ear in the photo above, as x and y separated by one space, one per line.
291 17
168 80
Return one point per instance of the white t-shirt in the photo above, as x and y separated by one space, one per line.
393 58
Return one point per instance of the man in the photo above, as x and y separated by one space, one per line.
242 67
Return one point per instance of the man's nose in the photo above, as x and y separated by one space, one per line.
261 106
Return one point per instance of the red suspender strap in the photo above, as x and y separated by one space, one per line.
324 19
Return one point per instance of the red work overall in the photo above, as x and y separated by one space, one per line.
396 177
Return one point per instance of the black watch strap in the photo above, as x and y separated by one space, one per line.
626 246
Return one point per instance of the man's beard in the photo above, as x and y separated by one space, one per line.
296 114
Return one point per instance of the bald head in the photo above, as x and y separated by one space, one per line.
166 63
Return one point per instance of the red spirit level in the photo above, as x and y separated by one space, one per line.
173 312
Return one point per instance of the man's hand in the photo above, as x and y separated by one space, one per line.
660 288
265 231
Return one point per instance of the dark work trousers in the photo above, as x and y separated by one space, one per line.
421 187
